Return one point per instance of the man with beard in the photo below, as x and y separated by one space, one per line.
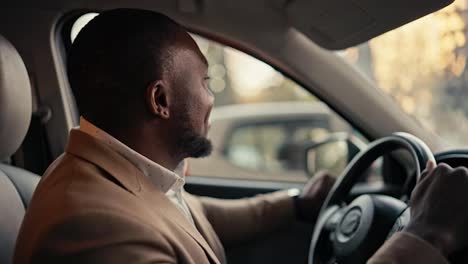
116 195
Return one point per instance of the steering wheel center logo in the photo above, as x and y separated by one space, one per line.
350 222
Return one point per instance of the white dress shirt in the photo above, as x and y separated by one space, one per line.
169 182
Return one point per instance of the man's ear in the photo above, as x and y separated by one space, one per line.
157 99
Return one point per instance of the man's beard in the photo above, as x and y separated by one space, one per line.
189 143
193 145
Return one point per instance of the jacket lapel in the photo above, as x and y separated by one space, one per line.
169 210
204 227
97 152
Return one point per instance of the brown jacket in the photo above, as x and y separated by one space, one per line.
94 206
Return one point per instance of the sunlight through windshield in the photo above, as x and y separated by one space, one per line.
422 65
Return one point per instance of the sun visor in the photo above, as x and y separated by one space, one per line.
339 24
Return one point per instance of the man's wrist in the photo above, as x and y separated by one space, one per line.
295 195
435 239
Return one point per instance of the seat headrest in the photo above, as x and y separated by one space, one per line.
15 99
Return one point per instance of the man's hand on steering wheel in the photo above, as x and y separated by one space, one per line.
313 195
439 213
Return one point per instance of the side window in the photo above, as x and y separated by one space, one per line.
275 148
262 121
254 147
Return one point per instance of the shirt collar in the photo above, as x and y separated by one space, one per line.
161 177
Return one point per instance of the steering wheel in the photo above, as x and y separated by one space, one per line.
352 233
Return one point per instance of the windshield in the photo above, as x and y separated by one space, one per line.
422 66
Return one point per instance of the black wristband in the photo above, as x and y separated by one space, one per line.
299 214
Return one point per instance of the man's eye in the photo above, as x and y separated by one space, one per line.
206 80
206 84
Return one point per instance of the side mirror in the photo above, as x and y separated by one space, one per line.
332 154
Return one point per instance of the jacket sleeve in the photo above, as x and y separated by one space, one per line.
240 220
405 248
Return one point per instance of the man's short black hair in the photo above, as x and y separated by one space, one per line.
114 58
